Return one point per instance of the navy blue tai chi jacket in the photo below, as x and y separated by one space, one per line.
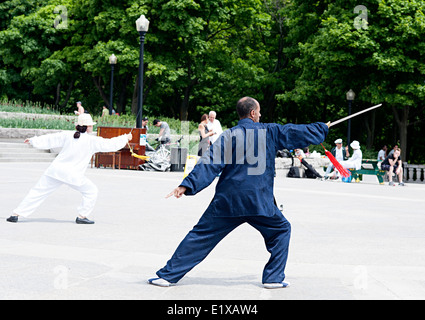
245 157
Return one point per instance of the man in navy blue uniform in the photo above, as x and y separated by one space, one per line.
245 157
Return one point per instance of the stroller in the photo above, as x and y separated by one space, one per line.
159 158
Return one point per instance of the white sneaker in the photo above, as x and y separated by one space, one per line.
283 284
160 282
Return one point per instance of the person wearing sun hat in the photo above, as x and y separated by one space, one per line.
339 153
69 167
355 162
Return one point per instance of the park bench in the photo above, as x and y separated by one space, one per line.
368 167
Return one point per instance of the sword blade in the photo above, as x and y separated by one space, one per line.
354 115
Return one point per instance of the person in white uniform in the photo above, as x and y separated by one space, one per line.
69 167
340 155
355 162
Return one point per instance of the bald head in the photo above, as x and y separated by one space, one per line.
248 107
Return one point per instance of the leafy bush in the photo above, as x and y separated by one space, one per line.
26 107
61 123
38 123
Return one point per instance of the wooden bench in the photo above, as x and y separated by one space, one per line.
370 167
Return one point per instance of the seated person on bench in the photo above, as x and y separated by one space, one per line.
340 153
393 164
355 162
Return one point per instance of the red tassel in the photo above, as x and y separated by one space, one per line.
344 172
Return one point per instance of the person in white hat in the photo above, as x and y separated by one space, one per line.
340 155
69 167
355 162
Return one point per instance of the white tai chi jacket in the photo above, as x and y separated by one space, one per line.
355 161
72 161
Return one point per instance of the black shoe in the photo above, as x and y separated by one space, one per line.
83 221
12 219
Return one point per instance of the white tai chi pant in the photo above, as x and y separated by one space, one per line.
348 164
46 185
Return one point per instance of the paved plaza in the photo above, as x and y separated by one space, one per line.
349 241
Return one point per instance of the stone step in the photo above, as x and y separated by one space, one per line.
16 145
15 159
21 152
27 155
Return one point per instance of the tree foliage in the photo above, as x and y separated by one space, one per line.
298 58
380 58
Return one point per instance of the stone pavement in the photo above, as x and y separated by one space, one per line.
349 241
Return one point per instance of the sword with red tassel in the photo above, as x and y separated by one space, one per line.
344 172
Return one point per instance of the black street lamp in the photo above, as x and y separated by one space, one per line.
112 62
142 26
350 97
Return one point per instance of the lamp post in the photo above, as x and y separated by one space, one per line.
112 62
142 26
350 97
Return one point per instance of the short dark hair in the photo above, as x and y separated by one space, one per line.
156 121
245 106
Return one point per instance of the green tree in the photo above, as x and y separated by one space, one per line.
380 60
199 54
298 58
14 45
202 48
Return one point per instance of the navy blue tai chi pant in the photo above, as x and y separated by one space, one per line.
210 230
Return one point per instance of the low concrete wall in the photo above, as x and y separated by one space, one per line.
281 163
317 163
22 134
